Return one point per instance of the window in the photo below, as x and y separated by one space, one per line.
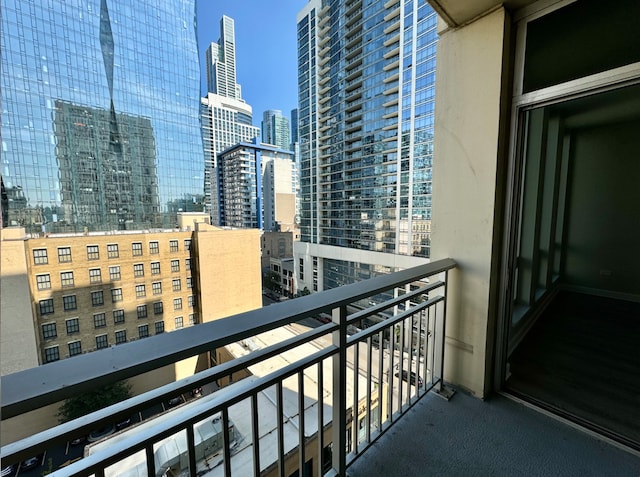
49 331
118 316
46 306
138 270
136 249
75 348
191 301
40 256
64 254
69 302
95 275
140 291
159 327
175 283
158 309
121 336
301 269
112 250
153 248
116 294
141 311
187 264
187 245
175 265
192 319
177 303
66 279
97 298
155 268
51 354
73 326
178 320
93 252
102 341
173 245
156 287
189 282
43 281
114 272
143 331
99 320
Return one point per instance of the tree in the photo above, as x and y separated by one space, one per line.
271 281
91 401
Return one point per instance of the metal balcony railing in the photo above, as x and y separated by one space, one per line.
338 387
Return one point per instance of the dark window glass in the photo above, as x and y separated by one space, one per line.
116 294
118 316
75 348
49 330
158 309
143 331
121 336
69 302
46 306
159 327
51 354
99 320
73 326
142 311
97 298
102 341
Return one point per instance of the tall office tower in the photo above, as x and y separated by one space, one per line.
221 62
366 84
294 125
275 129
256 187
96 135
225 122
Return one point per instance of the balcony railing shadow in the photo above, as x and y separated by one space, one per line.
382 351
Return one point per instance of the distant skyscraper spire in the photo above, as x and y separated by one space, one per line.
221 62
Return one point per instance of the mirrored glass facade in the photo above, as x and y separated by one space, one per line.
366 74
100 114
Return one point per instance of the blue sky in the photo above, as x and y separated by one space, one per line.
266 57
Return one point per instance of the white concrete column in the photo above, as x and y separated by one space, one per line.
468 129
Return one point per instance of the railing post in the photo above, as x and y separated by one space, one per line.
339 418
440 337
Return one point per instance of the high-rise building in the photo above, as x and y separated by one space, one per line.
366 85
226 118
225 122
221 62
95 135
275 129
257 189
294 125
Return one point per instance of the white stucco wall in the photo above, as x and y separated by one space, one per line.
467 130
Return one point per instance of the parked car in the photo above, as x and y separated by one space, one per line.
29 463
123 424
411 377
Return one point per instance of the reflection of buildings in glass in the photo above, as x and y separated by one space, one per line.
107 168
119 92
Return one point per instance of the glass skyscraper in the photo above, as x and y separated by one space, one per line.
100 114
366 73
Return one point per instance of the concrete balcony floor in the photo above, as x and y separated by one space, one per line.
467 436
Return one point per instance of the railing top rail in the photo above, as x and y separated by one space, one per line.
37 387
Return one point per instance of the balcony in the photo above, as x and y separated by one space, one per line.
296 410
